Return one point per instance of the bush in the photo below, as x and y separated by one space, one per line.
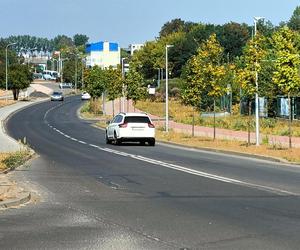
16 159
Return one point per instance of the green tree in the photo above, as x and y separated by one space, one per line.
294 22
286 75
19 78
233 38
172 26
11 60
114 84
80 39
135 89
94 81
62 41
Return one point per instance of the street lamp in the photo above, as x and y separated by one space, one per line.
6 68
167 94
123 86
256 19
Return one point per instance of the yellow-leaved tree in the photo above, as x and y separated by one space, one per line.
286 75
206 74
249 67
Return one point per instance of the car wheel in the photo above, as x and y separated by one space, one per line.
117 141
152 142
108 141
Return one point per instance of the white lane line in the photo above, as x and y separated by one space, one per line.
181 168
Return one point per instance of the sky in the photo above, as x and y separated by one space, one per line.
129 21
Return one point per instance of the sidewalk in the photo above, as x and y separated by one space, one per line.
205 131
12 194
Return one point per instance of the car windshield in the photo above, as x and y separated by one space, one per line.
56 93
136 119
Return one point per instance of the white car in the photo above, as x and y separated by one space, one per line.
65 85
85 96
57 96
125 127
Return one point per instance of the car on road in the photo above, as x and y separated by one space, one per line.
85 96
57 96
65 85
130 127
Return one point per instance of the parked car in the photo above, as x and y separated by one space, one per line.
85 96
127 127
65 85
57 96
47 77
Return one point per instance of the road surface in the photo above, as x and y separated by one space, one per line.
96 196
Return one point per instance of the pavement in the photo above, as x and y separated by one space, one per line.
12 194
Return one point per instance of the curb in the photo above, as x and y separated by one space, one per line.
214 150
16 202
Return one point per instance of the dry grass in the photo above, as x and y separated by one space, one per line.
291 155
14 159
3 156
2 92
6 102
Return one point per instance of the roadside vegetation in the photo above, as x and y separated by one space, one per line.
181 113
275 150
13 160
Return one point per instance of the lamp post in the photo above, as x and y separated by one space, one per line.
167 92
76 62
256 19
123 86
6 65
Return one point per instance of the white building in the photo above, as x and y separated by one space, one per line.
103 54
134 47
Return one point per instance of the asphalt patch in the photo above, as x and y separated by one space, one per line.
38 94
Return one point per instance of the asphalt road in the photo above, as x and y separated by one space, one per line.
96 196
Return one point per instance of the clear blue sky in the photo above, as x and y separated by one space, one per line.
128 21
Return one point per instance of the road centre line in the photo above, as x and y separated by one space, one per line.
176 167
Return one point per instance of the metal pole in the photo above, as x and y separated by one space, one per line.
6 66
256 98
82 74
256 92
158 76
167 94
76 73
6 80
123 90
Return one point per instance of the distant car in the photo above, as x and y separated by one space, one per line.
57 96
65 85
136 127
47 77
85 96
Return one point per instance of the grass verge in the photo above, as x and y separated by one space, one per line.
13 160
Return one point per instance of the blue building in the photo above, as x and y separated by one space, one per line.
103 54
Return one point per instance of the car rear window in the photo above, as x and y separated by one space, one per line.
136 119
